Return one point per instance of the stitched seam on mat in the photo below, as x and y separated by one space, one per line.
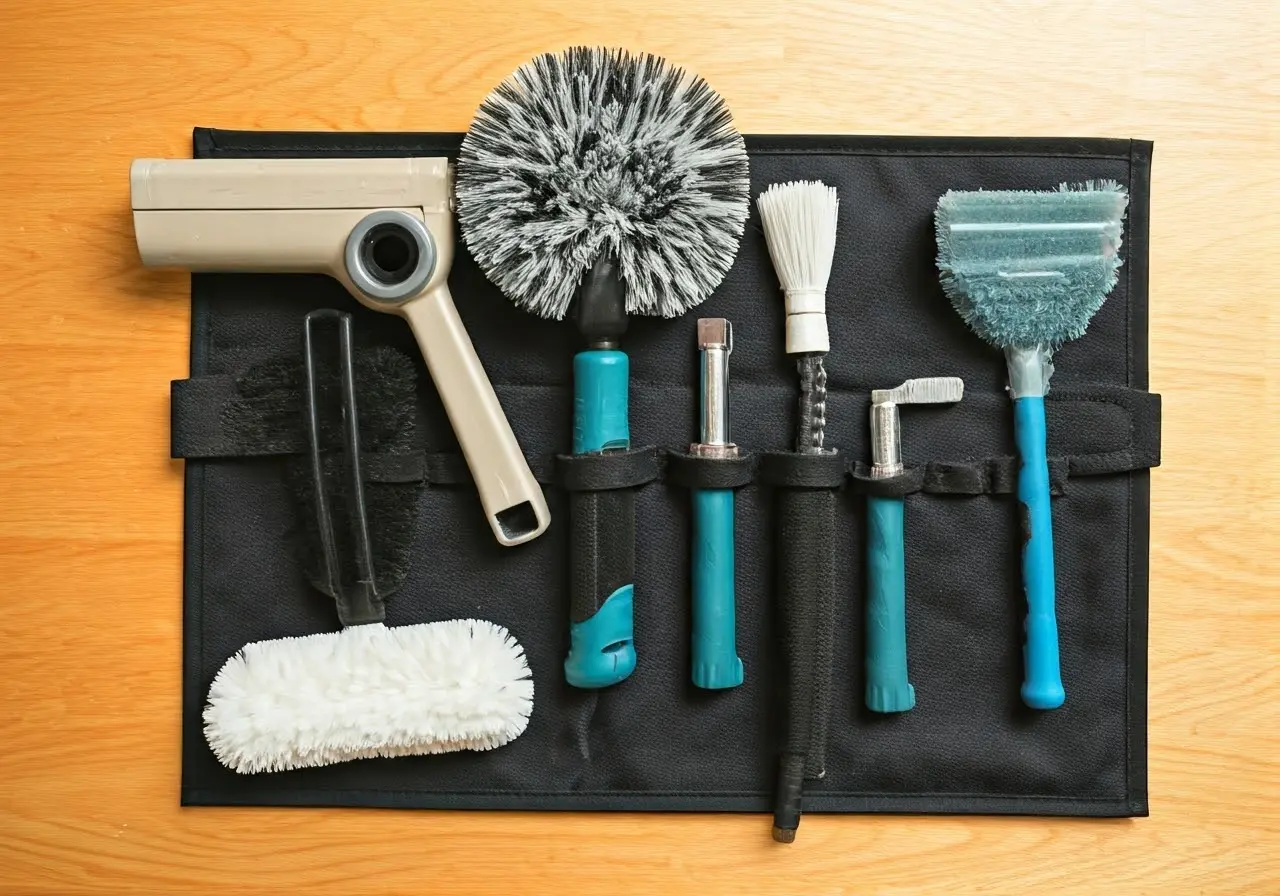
415 147
204 520
831 151
926 154
1128 291
1128 634
418 147
298 147
696 795
1128 519
204 517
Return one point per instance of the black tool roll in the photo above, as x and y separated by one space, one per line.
655 742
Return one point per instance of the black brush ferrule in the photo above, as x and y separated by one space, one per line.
602 303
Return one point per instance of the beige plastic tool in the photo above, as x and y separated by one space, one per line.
384 229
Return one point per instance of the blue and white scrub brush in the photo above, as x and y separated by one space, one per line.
1027 270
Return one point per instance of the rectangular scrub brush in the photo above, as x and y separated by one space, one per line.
367 690
1027 270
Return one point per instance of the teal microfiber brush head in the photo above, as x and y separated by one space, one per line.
1030 268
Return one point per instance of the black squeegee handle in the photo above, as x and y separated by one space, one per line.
337 485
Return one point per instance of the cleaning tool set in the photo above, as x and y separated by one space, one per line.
715 652
888 688
1027 270
322 473
381 227
614 184
367 690
799 221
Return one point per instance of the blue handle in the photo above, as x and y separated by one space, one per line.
715 651
1042 686
602 629
600 385
888 689
602 649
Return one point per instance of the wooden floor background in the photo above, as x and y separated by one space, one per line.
90 506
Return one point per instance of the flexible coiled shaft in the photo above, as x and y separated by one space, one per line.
812 425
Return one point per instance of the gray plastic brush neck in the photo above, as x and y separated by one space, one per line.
1029 370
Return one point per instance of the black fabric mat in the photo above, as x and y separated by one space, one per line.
655 742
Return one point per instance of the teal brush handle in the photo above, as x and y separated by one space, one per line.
715 652
888 689
601 531
1042 685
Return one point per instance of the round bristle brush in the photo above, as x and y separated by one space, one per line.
799 221
612 183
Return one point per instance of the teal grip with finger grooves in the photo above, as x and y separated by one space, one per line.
1042 684
715 653
888 689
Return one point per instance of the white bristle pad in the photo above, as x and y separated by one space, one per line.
799 220
367 691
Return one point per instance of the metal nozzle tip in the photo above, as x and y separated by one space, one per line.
714 332
784 836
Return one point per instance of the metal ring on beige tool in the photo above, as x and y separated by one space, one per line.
390 255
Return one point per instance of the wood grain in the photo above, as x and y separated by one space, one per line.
90 506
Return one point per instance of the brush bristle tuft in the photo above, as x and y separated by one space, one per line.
593 150
799 221
1028 268
369 691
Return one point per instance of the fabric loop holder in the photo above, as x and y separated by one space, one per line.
702 472
200 430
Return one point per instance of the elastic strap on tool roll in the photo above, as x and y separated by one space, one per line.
701 472
994 476
905 483
787 469
991 476
607 471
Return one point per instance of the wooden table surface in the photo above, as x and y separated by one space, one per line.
90 504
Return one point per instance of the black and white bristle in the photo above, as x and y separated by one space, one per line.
595 149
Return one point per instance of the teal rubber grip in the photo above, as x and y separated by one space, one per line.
715 651
888 689
600 401
602 649
1042 683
